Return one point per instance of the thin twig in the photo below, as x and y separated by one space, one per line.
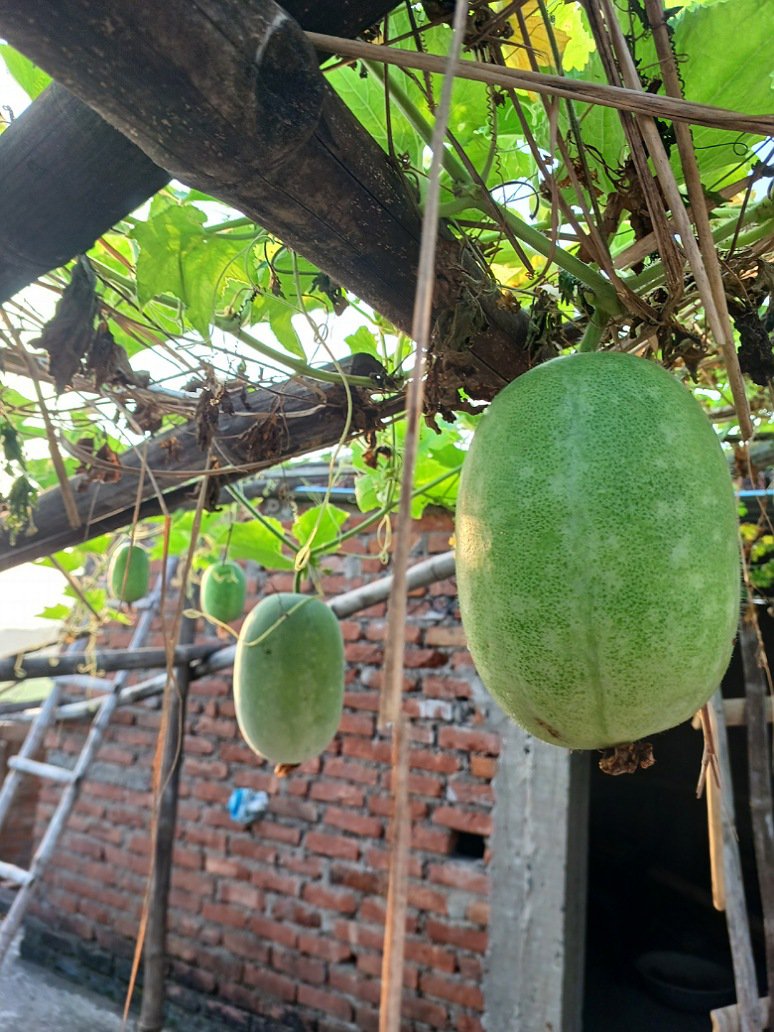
542 82
390 704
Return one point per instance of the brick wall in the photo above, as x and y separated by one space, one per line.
284 921
17 833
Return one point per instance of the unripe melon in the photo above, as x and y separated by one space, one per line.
223 592
289 677
597 551
129 573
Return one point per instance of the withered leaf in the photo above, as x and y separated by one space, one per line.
68 335
109 363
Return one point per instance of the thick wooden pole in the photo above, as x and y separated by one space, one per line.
153 995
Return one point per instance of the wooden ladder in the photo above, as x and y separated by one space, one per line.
24 764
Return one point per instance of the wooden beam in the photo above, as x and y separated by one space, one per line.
22 667
68 175
257 126
293 418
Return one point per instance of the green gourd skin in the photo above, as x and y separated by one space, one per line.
597 551
132 584
223 592
289 677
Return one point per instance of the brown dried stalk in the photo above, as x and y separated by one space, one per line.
759 765
68 498
698 204
541 82
391 700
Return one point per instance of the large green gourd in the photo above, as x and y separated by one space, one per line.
597 551
129 573
223 592
289 677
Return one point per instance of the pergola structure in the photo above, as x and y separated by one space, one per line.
228 98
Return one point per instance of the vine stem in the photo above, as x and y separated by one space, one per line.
391 700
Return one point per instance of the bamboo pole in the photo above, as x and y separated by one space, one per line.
23 666
736 907
759 765
155 957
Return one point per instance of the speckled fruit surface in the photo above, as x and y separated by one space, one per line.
597 551
289 677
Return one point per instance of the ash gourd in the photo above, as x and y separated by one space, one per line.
597 551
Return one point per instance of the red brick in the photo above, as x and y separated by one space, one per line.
353 984
466 791
296 913
384 805
212 770
425 658
240 894
357 724
464 820
432 840
238 752
427 955
111 753
324 947
336 792
341 900
373 883
200 746
367 1018
469 740
329 1003
483 766
290 806
350 770
424 898
194 881
224 868
369 827
365 749
360 652
272 931
273 881
427 1012
463 876
332 845
270 983
212 792
356 933
223 913
456 935
437 687
362 700
453 636
440 762
379 860
209 837
302 969
469 1023
421 784
470 968
246 846
371 964
309 866
280 832
350 630
465 995
478 912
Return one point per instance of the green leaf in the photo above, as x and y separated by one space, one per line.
33 80
59 612
320 526
363 341
176 256
280 320
722 52
252 540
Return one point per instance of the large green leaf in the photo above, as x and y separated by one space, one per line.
253 540
33 80
177 256
320 526
725 60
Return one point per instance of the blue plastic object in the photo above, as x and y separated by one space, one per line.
245 805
